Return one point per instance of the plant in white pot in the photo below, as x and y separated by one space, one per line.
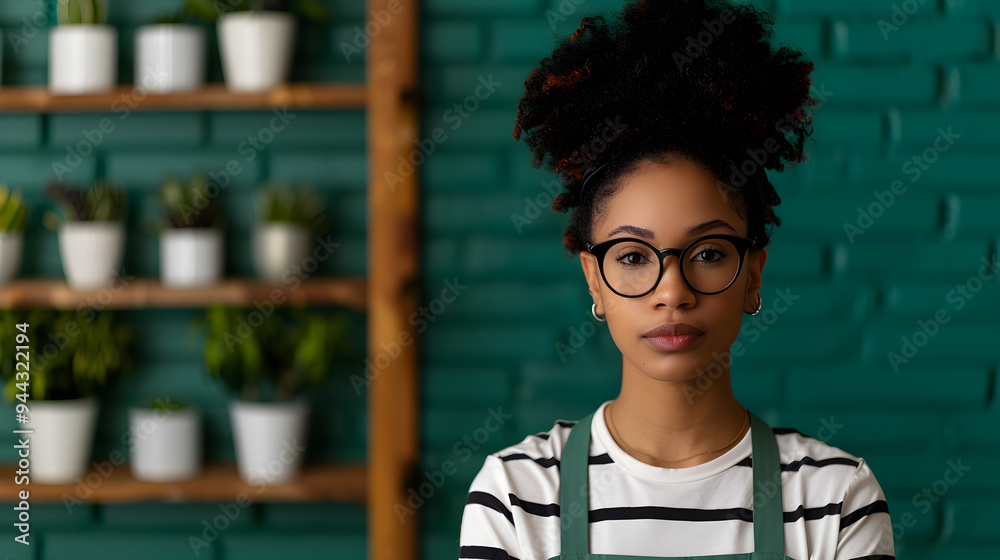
60 392
257 38
164 440
191 244
83 49
265 369
288 221
13 214
91 232
170 54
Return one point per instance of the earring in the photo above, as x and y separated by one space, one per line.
760 302
593 310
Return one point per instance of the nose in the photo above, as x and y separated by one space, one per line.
672 290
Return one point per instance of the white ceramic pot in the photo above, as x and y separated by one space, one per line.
11 249
270 439
170 57
164 445
256 49
62 440
190 257
277 247
92 252
83 58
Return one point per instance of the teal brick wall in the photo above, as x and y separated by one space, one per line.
501 300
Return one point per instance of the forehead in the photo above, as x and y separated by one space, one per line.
668 199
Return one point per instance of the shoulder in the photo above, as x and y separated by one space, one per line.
529 464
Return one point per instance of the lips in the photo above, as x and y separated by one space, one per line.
672 329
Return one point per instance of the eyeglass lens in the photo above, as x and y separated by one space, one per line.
632 268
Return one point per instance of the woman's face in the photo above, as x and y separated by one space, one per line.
669 200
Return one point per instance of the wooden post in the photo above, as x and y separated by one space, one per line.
393 272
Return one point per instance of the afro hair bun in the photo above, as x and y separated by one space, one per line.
698 65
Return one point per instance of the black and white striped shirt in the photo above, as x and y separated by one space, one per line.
834 509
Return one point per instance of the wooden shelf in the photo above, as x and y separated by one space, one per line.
150 293
214 96
341 482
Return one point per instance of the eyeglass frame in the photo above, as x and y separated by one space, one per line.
742 244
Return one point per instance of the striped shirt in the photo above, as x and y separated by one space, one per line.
834 509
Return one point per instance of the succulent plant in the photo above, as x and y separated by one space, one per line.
101 202
81 11
282 203
189 205
80 367
13 212
276 359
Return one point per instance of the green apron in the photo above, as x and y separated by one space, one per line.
768 526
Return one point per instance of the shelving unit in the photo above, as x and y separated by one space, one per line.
388 295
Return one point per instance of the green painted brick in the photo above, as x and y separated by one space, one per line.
466 89
855 9
522 301
36 170
520 41
767 336
877 85
975 429
787 259
341 170
973 9
449 8
911 299
850 387
976 339
505 258
333 129
20 131
332 517
445 387
101 131
461 172
921 129
447 42
461 213
482 343
180 517
952 260
919 525
228 170
856 431
465 428
66 545
859 217
916 41
857 129
808 37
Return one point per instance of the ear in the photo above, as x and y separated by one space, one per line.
755 270
592 273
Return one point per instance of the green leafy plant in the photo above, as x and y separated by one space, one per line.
101 202
211 9
13 212
189 205
278 358
70 358
81 11
282 203
167 404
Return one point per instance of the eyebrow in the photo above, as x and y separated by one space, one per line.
694 230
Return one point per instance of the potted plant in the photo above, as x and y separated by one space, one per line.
13 214
257 38
170 54
83 49
91 232
164 440
287 221
191 244
265 370
65 381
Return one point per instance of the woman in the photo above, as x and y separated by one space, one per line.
660 125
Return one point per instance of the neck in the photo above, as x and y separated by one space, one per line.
677 421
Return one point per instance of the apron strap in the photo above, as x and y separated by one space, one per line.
768 517
574 512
